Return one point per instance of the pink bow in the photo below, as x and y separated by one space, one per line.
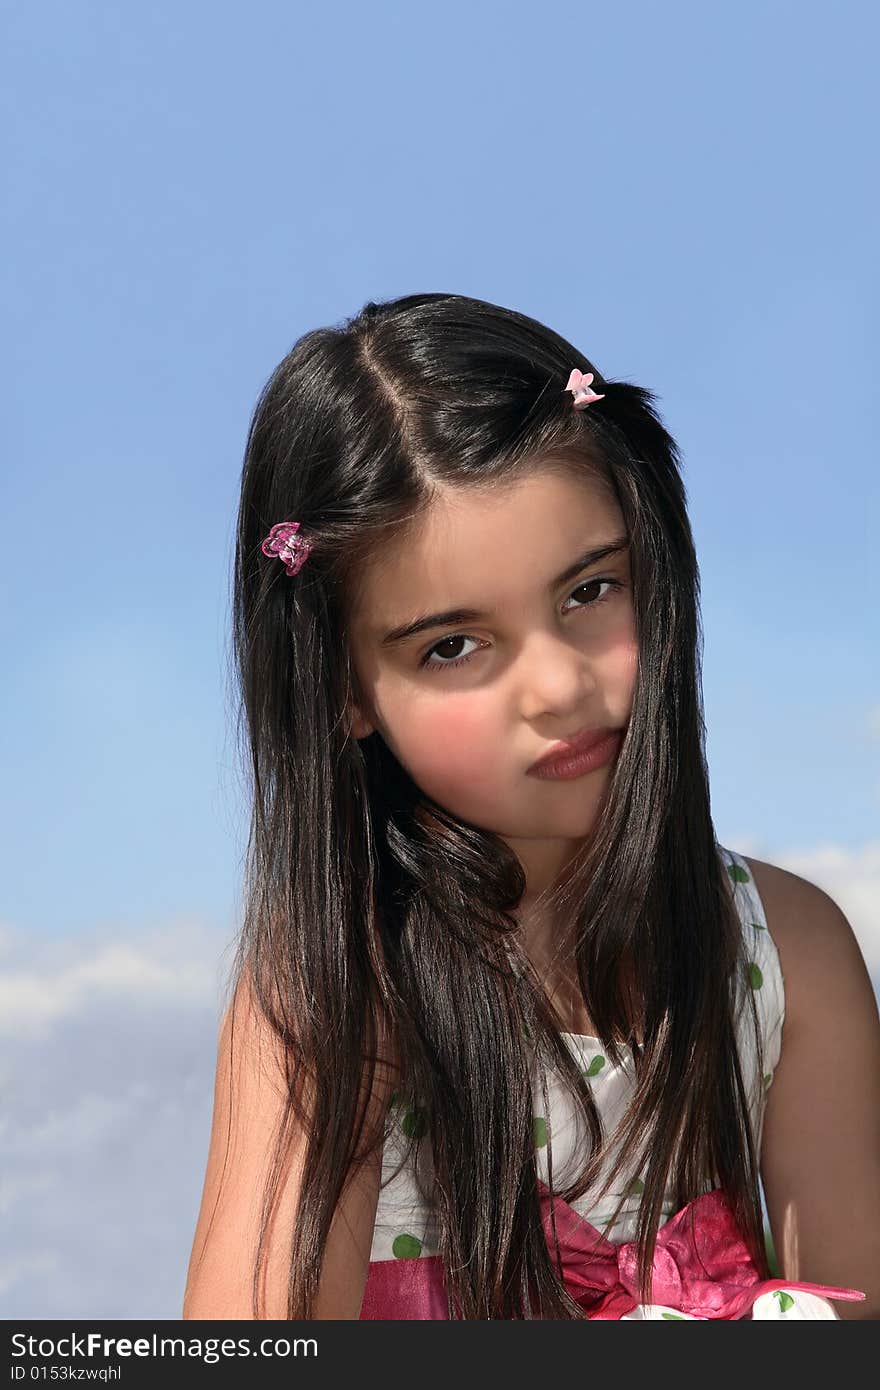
701 1264
701 1267
580 385
283 542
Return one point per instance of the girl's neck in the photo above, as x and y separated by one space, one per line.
540 943
558 973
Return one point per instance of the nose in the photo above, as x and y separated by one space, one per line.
555 677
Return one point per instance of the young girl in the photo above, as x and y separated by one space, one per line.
511 1034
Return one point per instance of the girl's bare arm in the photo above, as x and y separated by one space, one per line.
249 1098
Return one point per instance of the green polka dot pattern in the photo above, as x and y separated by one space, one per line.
406 1247
413 1124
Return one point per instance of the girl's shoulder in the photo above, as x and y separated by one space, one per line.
814 941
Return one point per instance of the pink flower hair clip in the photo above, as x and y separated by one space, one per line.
283 542
580 385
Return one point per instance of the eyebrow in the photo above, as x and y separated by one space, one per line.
470 615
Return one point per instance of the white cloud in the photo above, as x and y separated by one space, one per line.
852 878
35 998
34 1266
12 1189
109 1049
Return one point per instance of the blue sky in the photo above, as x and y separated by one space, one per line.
687 193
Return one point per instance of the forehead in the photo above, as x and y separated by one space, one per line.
475 548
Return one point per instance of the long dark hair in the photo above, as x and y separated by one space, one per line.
371 912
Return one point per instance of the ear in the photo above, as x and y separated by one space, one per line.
358 723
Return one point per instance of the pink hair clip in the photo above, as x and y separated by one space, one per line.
580 385
283 542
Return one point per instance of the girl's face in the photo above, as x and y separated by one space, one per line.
467 704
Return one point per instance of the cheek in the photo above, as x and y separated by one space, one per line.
449 746
620 658
626 661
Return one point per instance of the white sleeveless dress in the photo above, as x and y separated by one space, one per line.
406 1227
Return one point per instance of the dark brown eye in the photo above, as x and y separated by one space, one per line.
427 664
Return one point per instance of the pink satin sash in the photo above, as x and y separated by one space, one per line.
701 1266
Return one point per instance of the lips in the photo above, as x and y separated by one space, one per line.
568 748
